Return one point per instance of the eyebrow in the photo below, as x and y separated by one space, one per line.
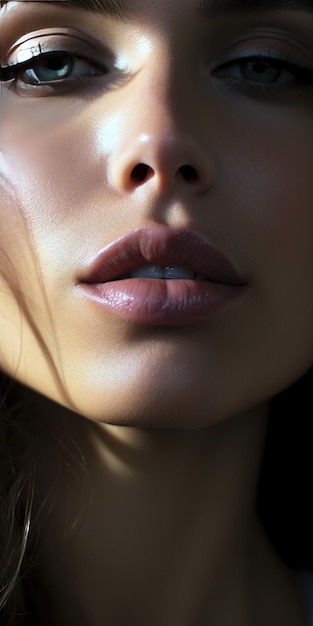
117 9
114 8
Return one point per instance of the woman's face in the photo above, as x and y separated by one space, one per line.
166 134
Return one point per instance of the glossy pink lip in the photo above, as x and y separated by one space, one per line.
161 301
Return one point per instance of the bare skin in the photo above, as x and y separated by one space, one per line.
164 527
171 420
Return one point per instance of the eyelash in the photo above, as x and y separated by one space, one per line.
14 72
303 76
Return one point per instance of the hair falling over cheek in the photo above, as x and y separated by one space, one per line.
21 318
19 516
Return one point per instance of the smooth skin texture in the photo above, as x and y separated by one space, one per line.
68 162
67 190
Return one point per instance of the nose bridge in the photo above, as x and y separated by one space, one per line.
159 87
160 137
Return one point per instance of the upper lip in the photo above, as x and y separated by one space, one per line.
160 245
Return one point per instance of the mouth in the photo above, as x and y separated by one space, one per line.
165 272
157 275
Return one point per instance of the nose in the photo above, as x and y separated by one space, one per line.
159 143
162 161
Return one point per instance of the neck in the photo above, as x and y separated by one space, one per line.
170 533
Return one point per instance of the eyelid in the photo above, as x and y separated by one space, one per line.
274 42
48 39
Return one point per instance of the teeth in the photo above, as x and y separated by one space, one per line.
150 271
177 272
168 271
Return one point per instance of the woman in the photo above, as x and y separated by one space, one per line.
156 312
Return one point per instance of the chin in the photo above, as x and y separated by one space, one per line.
165 409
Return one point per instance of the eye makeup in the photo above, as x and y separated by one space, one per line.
45 42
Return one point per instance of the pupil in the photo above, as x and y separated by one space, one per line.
57 63
259 67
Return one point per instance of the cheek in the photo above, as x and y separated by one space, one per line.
23 311
266 187
25 319
50 182
49 179
55 158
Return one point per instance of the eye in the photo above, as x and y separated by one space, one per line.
56 61
57 66
265 71
256 69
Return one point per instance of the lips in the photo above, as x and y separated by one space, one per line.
115 277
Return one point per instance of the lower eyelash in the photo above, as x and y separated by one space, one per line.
260 90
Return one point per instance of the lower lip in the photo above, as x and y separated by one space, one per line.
162 302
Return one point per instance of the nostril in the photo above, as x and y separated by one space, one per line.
189 174
141 173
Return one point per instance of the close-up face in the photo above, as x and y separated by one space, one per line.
156 205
